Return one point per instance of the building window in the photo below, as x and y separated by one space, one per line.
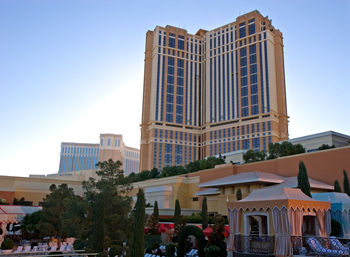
242 30
251 26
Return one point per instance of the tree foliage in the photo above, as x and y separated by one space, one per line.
90 218
138 238
179 220
217 237
156 211
108 201
53 209
337 186
239 194
285 148
325 147
254 156
22 201
303 179
204 213
346 183
30 226
197 233
276 150
168 171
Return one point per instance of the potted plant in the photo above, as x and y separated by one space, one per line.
7 245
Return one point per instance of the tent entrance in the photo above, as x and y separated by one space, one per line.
256 224
309 225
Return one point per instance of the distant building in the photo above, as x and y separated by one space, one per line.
112 147
77 157
212 92
312 142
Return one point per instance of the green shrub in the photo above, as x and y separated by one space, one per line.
184 233
115 250
78 244
170 250
7 244
152 241
212 251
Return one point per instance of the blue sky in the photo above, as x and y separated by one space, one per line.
70 70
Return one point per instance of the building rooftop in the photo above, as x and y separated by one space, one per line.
243 178
209 191
314 184
317 135
281 193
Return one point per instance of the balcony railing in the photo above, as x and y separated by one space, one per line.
257 244
265 244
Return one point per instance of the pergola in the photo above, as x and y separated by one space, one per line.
284 209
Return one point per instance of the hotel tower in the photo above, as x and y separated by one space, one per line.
213 92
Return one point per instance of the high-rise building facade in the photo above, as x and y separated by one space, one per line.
76 157
212 92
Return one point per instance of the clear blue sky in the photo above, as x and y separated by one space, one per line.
71 69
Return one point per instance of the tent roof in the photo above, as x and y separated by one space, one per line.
337 200
271 197
278 193
244 177
332 197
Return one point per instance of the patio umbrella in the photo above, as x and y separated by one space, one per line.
207 231
162 228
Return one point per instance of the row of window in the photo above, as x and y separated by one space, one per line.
76 163
170 134
132 154
244 144
183 155
79 150
130 166
240 131
110 142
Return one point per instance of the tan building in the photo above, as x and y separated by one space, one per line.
213 92
78 157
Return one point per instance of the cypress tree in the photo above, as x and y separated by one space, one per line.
346 183
156 211
179 220
239 194
138 237
204 213
177 212
337 187
99 224
303 179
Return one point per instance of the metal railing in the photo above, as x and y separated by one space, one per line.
257 244
265 244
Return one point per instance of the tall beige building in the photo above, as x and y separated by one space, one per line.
212 92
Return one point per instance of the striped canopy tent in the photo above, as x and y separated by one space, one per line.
340 209
284 209
10 214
